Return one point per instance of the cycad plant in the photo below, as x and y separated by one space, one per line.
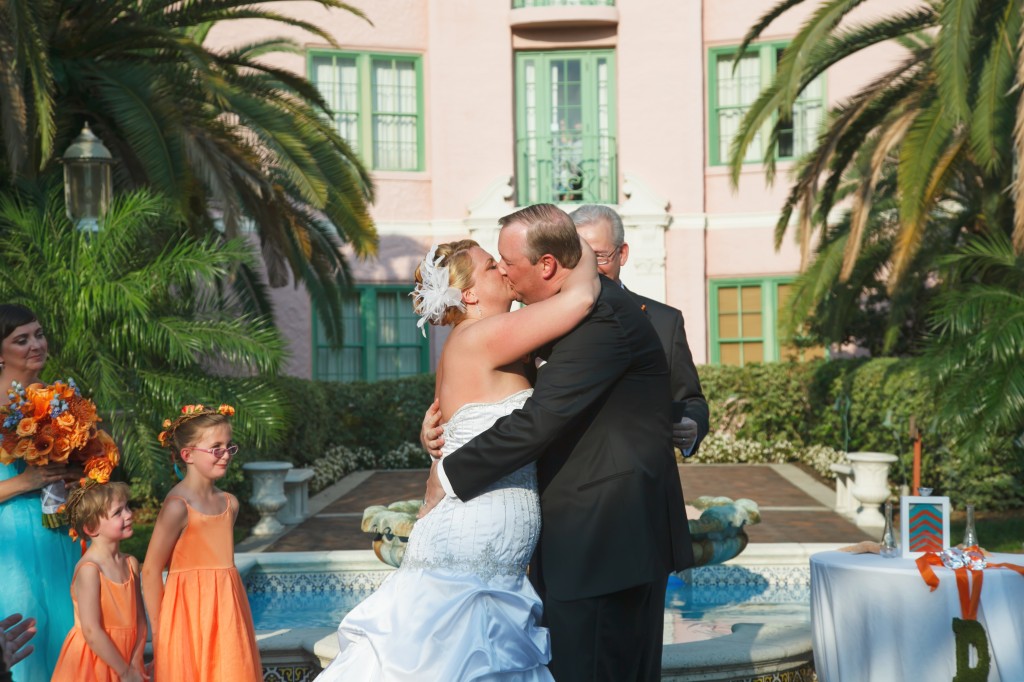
139 315
231 140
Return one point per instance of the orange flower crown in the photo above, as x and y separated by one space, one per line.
189 412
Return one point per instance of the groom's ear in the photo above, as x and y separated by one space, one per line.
549 266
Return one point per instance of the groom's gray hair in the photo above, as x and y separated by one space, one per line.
549 230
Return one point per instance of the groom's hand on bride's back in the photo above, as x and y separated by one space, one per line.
431 431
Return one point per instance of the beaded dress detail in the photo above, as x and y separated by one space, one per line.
460 607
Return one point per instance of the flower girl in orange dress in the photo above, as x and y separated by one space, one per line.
202 625
107 640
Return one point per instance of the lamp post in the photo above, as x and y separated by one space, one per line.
88 186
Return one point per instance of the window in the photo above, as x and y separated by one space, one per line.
745 317
377 104
381 339
733 88
565 127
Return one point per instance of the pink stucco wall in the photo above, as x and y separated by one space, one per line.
661 49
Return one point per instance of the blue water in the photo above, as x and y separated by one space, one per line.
716 606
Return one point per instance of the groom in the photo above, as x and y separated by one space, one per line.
598 425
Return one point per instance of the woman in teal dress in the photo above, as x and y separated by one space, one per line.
36 563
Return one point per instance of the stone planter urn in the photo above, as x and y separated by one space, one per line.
870 486
267 494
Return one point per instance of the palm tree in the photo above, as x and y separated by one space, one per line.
230 139
977 346
947 114
139 316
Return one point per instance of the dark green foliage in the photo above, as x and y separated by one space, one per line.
323 414
135 315
852 405
865 405
230 139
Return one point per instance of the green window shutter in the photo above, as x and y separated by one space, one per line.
377 104
565 127
381 339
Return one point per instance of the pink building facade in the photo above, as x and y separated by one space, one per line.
467 109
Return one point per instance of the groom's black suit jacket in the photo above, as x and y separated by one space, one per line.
598 425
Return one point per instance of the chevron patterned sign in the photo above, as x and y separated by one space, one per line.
924 525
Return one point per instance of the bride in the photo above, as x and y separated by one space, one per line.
461 607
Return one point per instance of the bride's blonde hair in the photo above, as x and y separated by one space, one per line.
454 256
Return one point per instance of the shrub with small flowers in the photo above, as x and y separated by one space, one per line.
722 448
340 461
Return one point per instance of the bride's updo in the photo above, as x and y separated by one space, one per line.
438 301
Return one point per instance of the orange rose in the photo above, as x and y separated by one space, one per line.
99 469
65 420
27 451
226 410
61 448
26 427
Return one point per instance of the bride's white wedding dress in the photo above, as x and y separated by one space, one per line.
460 607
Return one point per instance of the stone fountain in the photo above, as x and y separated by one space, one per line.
717 528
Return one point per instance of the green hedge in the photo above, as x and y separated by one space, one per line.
848 405
863 405
380 416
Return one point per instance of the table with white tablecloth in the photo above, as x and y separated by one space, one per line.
875 620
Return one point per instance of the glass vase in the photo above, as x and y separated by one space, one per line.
970 535
888 547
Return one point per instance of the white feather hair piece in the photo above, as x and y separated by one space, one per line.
434 294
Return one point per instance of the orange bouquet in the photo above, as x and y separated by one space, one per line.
54 424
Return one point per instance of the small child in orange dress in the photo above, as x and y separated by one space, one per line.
107 641
202 625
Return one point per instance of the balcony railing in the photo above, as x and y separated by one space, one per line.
517 4
567 169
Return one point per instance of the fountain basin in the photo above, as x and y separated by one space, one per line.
745 651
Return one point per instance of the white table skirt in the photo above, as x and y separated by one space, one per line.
875 620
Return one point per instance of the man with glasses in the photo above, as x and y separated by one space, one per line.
601 227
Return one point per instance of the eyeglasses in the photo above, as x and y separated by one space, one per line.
606 258
219 452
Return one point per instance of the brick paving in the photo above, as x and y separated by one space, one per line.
788 512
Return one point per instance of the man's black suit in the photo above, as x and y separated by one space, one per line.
612 506
668 323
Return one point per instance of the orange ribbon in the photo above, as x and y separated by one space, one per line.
968 581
